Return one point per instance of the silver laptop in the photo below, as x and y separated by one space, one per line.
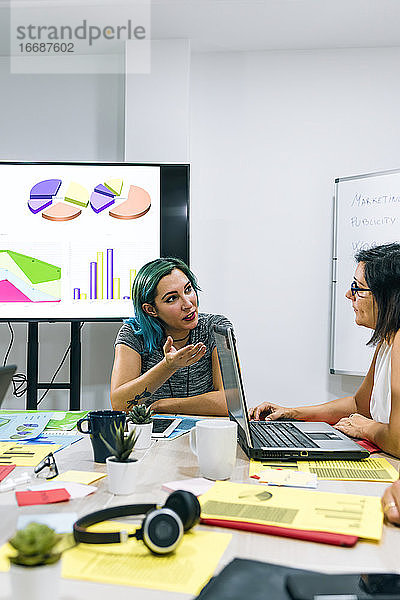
6 374
280 440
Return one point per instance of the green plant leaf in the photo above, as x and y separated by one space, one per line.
37 544
123 445
140 414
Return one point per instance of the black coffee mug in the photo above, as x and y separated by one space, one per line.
101 422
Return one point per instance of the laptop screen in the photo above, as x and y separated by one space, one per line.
231 377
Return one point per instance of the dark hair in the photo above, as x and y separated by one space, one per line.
382 275
144 291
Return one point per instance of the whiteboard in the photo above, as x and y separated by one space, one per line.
366 213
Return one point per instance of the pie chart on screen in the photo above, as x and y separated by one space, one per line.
137 204
69 204
42 193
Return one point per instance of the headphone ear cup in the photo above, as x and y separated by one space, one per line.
161 531
186 505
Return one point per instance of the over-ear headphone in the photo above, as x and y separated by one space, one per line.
162 527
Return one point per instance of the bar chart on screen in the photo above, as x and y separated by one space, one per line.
105 273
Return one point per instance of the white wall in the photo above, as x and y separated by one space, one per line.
74 117
157 104
270 132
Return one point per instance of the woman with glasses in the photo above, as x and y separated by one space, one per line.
373 413
166 355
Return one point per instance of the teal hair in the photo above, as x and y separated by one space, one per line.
144 290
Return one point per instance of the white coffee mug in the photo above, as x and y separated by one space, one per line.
214 443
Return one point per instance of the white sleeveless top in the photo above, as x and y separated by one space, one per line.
381 397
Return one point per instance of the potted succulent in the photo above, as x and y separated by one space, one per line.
35 566
121 468
140 419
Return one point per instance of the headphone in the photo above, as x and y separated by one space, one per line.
162 527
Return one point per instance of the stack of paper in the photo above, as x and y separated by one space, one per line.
22 455
346 514
22 426
369 469
186 570
375 468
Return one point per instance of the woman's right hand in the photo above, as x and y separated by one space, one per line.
391 503
271 412
186 356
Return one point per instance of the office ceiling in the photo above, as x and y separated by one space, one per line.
229 25
247 25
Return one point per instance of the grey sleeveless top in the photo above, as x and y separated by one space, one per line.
187 381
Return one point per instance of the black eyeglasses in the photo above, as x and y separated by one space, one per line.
47 468
361 292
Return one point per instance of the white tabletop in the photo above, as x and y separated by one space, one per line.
169 460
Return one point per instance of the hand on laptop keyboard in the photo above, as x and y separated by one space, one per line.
353 425
272 412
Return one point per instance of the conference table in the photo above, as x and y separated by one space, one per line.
170 460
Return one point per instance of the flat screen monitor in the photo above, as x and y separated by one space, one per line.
74 235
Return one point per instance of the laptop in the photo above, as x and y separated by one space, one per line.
6 374
279 440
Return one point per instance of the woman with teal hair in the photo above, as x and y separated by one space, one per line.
166 355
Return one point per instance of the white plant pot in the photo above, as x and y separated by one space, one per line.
122 476
144 432
35 583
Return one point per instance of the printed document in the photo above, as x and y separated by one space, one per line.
373 468
186 570
294 508
24 455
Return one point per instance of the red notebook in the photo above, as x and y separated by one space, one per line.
323 537
370 446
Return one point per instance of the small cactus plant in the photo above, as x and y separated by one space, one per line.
36 544
123 445
140 415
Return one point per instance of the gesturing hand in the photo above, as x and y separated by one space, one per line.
271 412
186 356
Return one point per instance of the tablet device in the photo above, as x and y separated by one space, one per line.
163 426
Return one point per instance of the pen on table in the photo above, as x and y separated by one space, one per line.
12 483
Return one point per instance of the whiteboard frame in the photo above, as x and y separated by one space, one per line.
334 266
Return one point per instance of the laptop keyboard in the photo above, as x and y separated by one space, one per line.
280 435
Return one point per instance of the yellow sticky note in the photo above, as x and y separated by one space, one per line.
5 551
349 514
80 476
186 570
24 455
373 468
